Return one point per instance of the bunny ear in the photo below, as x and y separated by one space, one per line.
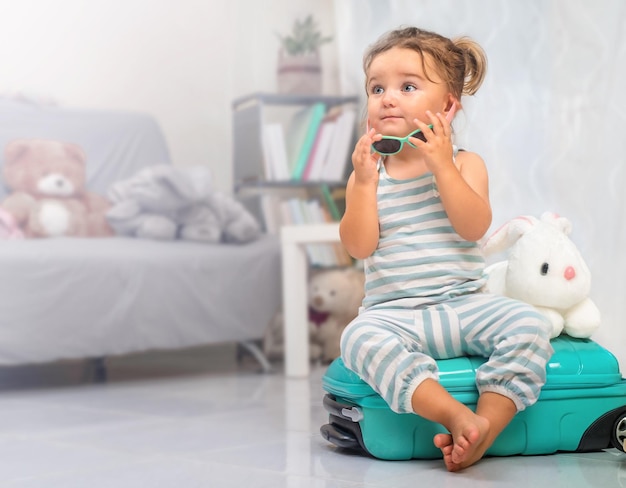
508 234
561 223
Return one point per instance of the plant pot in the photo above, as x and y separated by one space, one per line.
300 74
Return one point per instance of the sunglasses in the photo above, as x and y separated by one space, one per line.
389 145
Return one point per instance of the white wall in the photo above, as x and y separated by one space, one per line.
549 120
258 25
182 61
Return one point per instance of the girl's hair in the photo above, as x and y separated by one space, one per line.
461 62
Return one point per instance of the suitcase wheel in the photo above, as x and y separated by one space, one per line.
619 432
339 437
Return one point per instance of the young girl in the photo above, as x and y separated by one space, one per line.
414 211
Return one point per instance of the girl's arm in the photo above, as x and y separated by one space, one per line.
464 192
359 229
464 187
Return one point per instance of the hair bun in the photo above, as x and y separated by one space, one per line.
475 64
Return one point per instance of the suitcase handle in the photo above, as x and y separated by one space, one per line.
342 410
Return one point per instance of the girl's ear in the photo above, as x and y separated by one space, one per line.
451 107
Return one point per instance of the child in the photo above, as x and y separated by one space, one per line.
414 211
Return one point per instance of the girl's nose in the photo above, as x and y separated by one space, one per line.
389 98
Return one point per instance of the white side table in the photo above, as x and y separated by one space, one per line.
295 308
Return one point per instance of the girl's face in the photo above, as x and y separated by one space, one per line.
399 91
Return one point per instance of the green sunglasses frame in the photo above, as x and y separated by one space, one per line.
417 133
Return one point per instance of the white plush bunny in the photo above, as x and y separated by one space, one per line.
545 269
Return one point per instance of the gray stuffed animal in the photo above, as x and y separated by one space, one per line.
168 202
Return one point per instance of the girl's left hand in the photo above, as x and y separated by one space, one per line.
437 149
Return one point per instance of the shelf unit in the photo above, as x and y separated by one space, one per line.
251 115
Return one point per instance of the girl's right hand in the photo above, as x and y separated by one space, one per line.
364 161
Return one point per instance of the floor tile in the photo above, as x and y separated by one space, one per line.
183 422
37 458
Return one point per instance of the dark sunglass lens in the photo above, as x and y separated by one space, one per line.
419 135
387 146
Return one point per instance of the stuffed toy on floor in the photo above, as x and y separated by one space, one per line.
48 198
545 269
334 298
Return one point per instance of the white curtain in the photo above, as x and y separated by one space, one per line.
550 119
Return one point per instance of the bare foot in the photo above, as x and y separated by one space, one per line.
466 445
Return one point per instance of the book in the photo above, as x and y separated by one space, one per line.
325 252
315 164
335 252
285 213
301 136
319 255
282 164
330 203
314 150
270 210
268 156
340 146
297 213
275 153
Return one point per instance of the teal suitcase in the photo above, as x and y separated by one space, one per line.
581 408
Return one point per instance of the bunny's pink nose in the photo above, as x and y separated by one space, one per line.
569 273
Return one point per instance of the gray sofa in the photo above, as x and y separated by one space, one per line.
96 297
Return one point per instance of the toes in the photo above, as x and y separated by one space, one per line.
462 442
442 440
450 465
460 452
458 455
447 450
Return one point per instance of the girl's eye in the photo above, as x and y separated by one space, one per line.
377 90
409 88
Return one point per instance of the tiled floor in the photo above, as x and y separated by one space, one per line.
198 419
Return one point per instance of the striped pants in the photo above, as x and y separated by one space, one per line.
394 349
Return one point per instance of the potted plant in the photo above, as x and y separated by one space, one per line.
299 63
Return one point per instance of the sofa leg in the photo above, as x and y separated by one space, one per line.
97 370
256 352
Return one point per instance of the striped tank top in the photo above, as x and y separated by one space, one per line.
420 259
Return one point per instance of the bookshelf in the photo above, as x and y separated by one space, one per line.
292 159
252 114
